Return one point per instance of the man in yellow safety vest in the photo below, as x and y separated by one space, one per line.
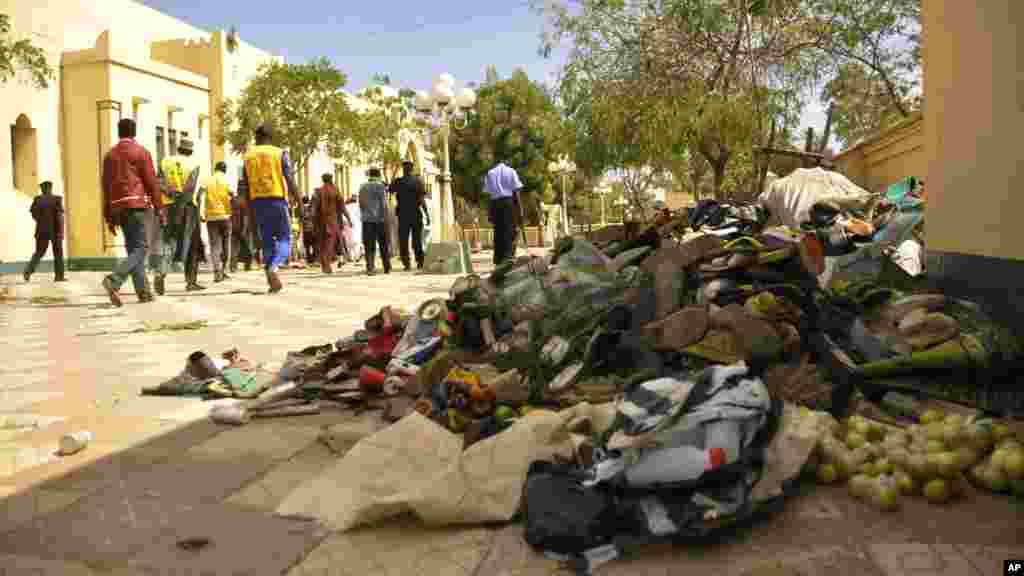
216 211
179 179
267 183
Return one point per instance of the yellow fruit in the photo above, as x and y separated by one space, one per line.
886 495
935 431
906 483
899 457
1013 464
917 466
861 427
1000 431
935 447
875 432
995 479
956 419
884 466
855 440
842 466
981 437
930 416
827 474
999 458
951 434
860 486
936 491
870 469
966 457
1010 443
946 464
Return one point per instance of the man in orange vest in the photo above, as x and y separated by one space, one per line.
266 184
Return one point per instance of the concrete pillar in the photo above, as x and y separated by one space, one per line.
973 119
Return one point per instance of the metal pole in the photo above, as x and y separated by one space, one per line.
565 206
445 182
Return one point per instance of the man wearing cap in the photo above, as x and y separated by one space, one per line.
217 214
502 185
412 207
373 208
48 212
130 192
180 178
267 183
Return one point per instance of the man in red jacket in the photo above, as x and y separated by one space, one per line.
130 189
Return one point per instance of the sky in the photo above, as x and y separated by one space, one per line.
412 42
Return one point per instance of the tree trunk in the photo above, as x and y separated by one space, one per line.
828 129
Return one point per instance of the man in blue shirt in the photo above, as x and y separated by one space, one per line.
502 186
373 207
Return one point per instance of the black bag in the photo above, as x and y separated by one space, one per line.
562 515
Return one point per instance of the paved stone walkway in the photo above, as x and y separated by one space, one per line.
159 473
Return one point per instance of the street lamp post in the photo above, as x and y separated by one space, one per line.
563 168
445 110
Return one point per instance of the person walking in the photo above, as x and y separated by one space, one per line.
329 211
217 214
266 183
192 235
410 194
180 177
48 212
130 189
354 234
373 208
240 249
309 235
502 185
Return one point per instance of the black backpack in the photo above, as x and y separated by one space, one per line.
562 515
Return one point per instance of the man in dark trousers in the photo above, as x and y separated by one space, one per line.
411 196
130 189
373 208
48 212
502 186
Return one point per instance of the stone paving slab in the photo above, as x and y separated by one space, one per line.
402 547
18 507
270 490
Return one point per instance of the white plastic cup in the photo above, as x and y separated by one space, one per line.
74 442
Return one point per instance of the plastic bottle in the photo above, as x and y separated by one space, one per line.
677 464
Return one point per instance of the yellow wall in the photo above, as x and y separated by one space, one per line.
974 119
66 132
887 157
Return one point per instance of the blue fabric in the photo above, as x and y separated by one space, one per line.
373 204
275 230
501 182
133 226
900 194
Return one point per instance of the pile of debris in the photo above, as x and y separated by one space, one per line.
679 378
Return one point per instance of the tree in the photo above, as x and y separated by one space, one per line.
514 119
862 103
682 77
22 56
876 48
373 137
303 103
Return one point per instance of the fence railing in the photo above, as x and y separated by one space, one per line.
483 237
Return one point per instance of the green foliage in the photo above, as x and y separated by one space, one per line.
304 103
875 46
371 135
22 56
516 120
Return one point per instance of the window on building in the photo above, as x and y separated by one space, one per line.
172 141
199 134
161 149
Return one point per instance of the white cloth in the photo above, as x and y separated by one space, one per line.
788 200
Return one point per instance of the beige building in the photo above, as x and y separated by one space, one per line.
113 59
888 157
117 59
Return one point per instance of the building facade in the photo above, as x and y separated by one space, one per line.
116 59
113 59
